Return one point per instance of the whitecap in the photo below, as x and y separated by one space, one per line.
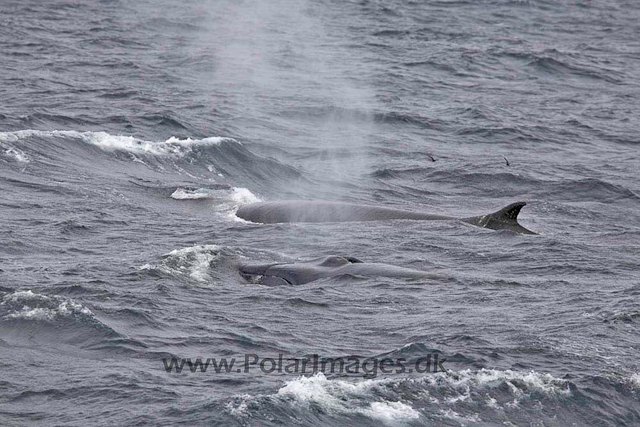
243 196
32 306
453 415
385 401
194 262
229 199
342 397
635 380
188 194
391 412
105 141
12 152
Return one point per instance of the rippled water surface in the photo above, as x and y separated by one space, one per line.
130 133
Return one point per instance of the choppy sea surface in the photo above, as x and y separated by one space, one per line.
130 132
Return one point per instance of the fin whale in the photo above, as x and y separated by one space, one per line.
299 273
321 211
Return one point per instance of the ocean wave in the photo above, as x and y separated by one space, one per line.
460 396
13 153
206 160
208 263
236 198
303 303
515 184
194 194
330 395
623 316
333 397
193 262
355 115
57 320
226 201
561 62
520 384
562 66
634 379
589 189
108 142
236 195
400 173
31 306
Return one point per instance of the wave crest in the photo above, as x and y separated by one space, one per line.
172 146
194 262
31 306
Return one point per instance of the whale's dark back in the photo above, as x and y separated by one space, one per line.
302 272
322 211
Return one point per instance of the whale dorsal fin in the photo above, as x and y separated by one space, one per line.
504 219
510 213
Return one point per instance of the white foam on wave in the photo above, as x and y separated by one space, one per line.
197 194
239 407
234 196
480 387
193 261
108 142
391 412
342 397
243 196
173 145
227 201
635 380
532 380
486 388
239 197
31 306
16 154
12 152
389 400
453 415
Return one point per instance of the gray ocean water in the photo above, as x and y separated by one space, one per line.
130 133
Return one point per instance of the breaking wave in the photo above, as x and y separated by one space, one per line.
235 194
31 306
464 396
108 142
203 264
12 153
28 317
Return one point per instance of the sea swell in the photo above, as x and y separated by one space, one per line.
464 396
130 132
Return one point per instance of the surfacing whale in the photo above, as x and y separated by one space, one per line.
299 273
321 211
